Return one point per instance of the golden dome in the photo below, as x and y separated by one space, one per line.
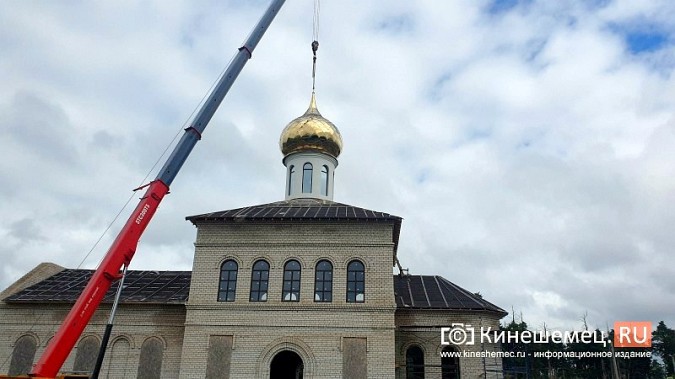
311 131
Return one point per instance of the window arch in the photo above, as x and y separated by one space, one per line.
260 280
414 363
23 355
228 280
85 356
356 280
323 282
150 361
291 172
291 288
449 365
118 359
307 178
324 180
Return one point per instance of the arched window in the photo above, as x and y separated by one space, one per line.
85 356
307 178
291 172
150 361
259 281
291 289
449 365
22 356
118 359
228 281
356 280
324 180
414 363
323 282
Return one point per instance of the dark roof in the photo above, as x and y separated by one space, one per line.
153 287
302 209
435 292
298 209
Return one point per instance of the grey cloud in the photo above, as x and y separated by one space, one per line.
38 125
106 140
25 230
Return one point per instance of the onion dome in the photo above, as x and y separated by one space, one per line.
311 132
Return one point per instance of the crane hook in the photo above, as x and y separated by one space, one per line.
315 47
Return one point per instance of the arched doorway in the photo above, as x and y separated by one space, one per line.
286 365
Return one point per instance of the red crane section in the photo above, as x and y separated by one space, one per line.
120 253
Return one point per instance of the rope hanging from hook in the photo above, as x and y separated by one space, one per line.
315 40
315 25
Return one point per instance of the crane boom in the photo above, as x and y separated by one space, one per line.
123 248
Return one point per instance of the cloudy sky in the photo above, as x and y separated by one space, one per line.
528 145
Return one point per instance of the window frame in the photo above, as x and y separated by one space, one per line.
414 364
450 366
355 281
228 281
262 281
307 172
320 278
291 281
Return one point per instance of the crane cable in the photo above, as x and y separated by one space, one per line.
315 40
153 168
315 25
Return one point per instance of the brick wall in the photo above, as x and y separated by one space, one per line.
133 322
423 328
314 330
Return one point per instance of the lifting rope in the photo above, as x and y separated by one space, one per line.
152 169
315 26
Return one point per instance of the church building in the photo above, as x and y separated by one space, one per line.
299 288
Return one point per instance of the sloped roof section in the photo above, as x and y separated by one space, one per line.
39 273
302 209
149 287
435 292
298 209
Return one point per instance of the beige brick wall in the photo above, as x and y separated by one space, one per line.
134 322
313 330
423 328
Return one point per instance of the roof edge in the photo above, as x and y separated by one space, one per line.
39 273
245 212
